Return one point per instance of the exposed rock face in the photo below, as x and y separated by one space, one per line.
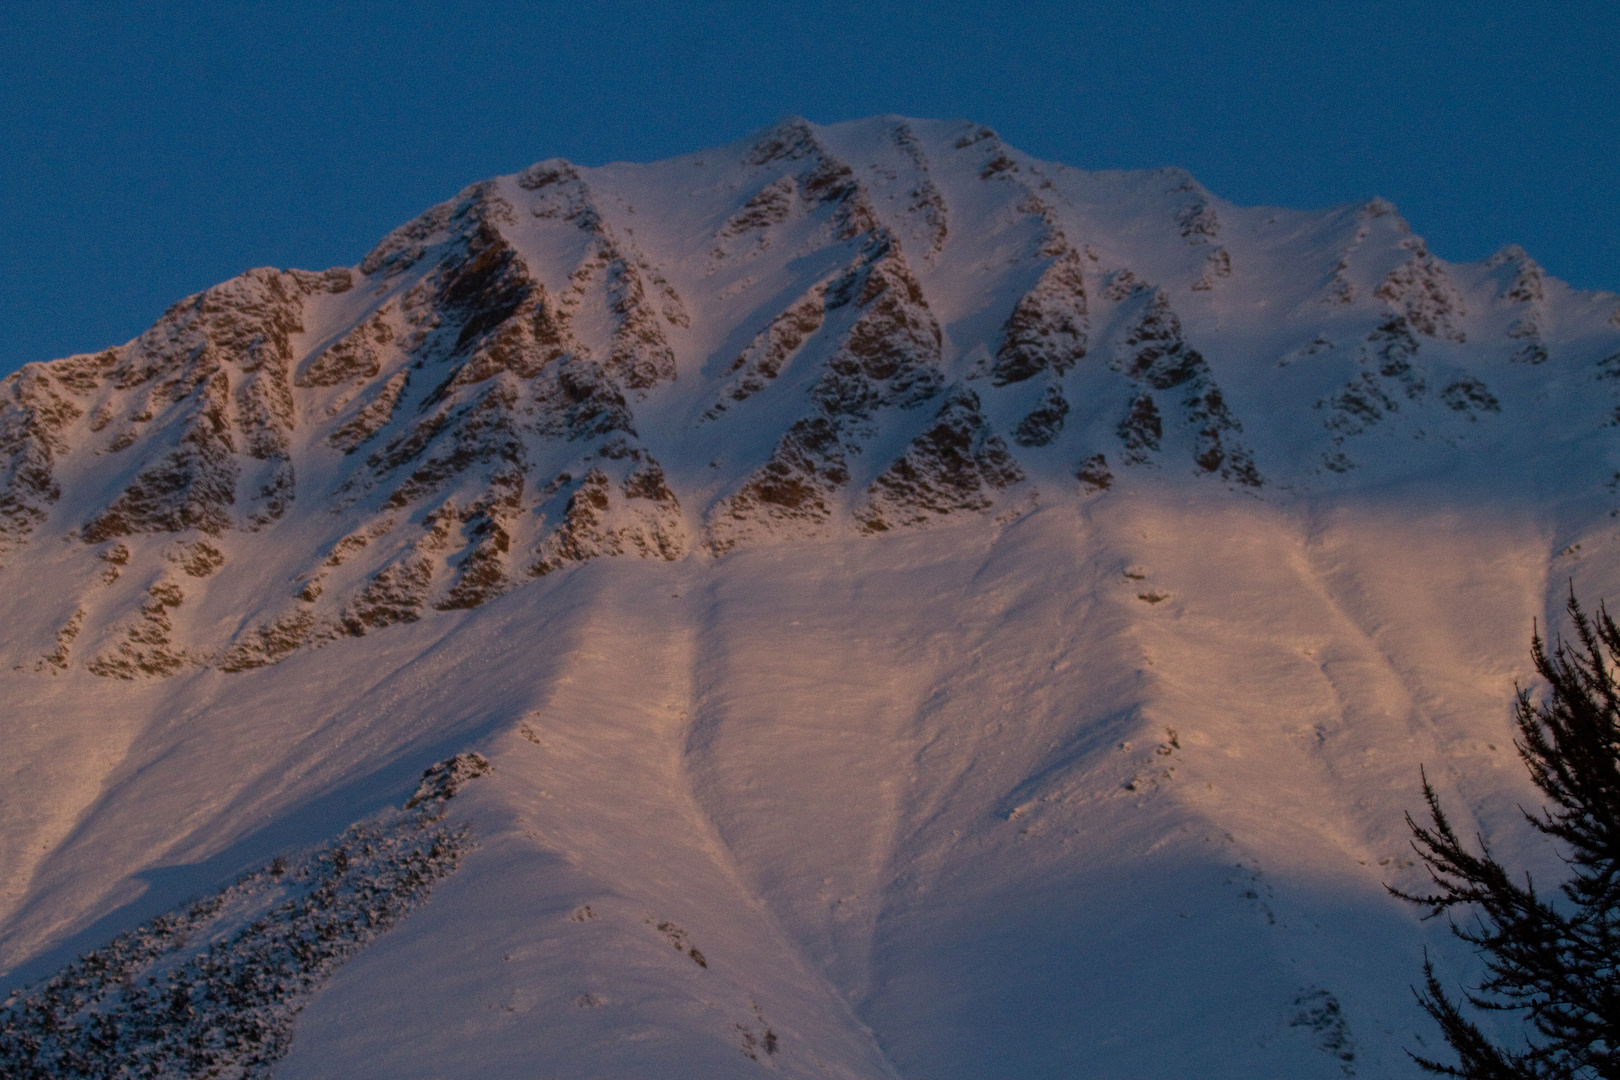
796 486
1524 291
267 643
1094 474
642 517
218 367
890 356
925 205
147 647
1047 330
1198 222
1045 422
1421 291
771 349
1154 353
1217 265
57 659
31 435
1071 456
399 591
887 359
755 345
199 559
1141 429
1390 371
951 467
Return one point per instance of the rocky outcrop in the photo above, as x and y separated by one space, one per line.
193 486
34 414
215 374
1045 336
1340 290
1197 221
924 204
481 429
890 356
1094 474
991 155
1043 423
1422 292
269 642
56 661
1470 396
1390 372
1390 350
1046 331
1141 429
354 358
1387 370
793 490
1122 284
1217 265
640 356
957 464
771 350
372 416
1153 354
887 359
147 648
480 403
577 400
399 591
199 559
483 572
642 517
1524 292
809 180
213 988
770 205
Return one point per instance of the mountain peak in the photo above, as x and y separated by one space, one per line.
863 327
860 601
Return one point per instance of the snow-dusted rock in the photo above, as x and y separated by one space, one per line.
950 594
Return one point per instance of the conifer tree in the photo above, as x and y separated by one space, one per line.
1553 957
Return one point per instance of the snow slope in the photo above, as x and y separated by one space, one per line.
927 612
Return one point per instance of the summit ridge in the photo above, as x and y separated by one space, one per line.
884 605
815 331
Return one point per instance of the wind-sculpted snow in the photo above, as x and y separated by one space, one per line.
968 796
212 990
849 355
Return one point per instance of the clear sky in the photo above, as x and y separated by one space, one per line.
151 150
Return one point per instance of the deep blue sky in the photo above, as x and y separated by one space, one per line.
154 149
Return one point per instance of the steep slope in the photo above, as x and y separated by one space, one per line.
1017 602
819 331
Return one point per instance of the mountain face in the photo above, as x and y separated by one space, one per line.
921 611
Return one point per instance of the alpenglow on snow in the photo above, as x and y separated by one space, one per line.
919 611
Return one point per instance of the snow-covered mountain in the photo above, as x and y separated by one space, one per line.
918 610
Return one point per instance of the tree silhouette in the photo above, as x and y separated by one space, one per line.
1555 956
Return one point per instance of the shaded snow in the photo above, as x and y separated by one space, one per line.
873 684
